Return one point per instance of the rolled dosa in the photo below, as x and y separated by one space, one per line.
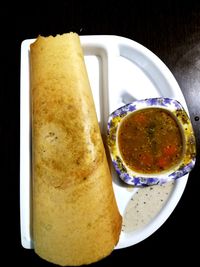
75 216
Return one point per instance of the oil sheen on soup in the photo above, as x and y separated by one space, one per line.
150 140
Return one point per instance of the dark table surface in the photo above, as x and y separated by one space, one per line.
171 30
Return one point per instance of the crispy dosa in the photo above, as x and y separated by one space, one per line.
75 216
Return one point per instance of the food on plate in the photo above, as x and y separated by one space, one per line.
150 140
75 215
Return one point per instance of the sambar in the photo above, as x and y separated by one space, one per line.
150 140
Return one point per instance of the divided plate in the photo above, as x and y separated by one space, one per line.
120 71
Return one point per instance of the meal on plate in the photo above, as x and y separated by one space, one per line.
75 215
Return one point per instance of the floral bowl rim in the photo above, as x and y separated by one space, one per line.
138 179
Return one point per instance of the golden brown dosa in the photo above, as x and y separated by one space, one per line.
75 216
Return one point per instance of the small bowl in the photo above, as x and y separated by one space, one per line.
133 176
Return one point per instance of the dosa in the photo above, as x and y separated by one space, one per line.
75 215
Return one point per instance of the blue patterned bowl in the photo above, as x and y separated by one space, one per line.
188 158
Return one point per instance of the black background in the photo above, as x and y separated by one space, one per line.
170 29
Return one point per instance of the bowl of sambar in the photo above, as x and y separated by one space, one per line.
151 141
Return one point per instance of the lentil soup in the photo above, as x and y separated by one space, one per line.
150 141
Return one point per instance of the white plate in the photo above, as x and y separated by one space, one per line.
120 70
